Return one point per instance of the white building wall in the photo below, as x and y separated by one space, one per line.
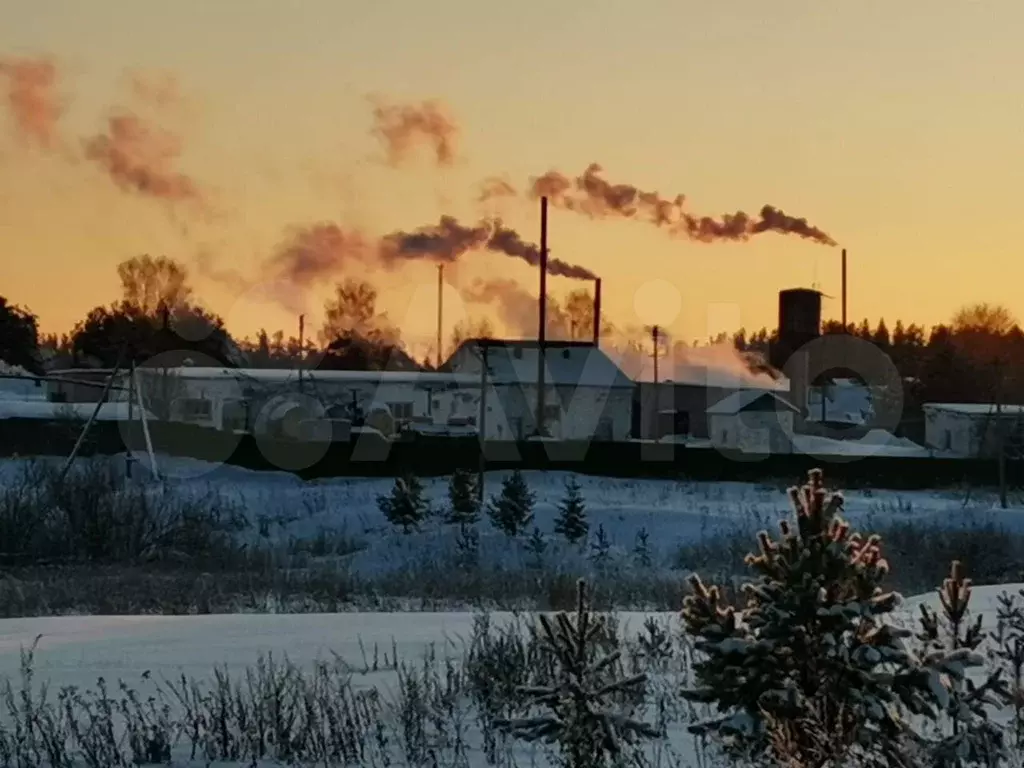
753 431
954 433
222 391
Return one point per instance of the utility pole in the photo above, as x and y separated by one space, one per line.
1000 435
129 457
482 421
440 309
302 346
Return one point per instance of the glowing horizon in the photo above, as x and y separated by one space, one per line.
899 142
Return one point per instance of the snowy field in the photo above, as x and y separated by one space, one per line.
403 668
142 651
282 508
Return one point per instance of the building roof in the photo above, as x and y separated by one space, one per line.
286 375
741 401
567 363
976 409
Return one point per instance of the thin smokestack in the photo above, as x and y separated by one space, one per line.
597 311
844 290
543 312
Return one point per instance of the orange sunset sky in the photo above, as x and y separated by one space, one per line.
896 127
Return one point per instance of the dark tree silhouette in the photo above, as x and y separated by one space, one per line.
19 337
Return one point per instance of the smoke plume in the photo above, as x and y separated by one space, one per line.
308 254
592 195
32 99
140 158
448 241
401 126
517 307
493 188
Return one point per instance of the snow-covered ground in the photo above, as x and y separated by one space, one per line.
79 651
282 507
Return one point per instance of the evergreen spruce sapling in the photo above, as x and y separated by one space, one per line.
536 546
966 736
642 549
571 522
405 506
463 498
512 511
806 670
580 718
1008 639
601 548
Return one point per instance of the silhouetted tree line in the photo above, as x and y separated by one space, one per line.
976 357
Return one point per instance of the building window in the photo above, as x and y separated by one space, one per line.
948 441
518 353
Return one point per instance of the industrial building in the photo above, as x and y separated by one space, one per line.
586 395
269 400
752 421
973 430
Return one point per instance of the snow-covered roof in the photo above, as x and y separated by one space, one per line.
976 409
43 409
284 375
566 363
740 401
718 378
876 442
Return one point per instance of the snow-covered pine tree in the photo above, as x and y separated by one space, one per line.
964 735
571 522
463 498
1008 639
405 506
807 660
579 718
512 511
536 546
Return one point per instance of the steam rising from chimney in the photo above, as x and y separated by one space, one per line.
449 240
592 195
400 126
140 158
32 99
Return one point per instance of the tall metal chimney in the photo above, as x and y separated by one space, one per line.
440 309
543 320
844 290
597 311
